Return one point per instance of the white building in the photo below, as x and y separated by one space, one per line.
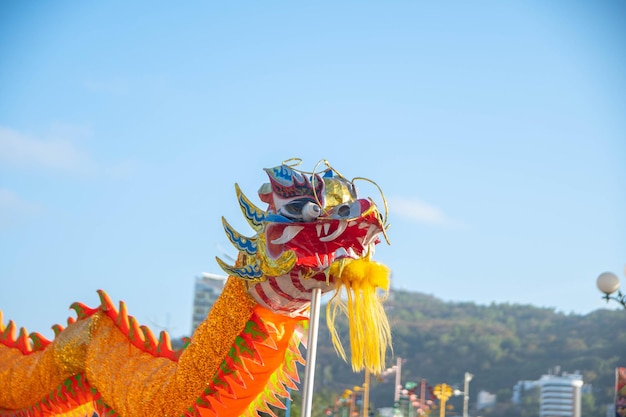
522 389
559 394
208 287
485 399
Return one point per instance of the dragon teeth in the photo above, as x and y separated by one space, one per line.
288 233
343 225
322 263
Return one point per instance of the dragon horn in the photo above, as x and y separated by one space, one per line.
253 214
249 272
240 242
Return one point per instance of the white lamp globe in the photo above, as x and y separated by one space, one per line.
608 282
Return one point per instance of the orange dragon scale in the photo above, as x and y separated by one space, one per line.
242 359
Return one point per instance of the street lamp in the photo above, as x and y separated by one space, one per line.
465 392
442 392
608 283
397 369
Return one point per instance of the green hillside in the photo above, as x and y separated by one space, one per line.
499 344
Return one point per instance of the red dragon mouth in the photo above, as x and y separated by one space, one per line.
319 244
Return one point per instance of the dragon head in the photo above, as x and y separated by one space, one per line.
315 233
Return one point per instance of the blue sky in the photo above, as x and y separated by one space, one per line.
495 129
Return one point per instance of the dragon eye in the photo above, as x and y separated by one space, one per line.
301 210
293 209
311 211
343 210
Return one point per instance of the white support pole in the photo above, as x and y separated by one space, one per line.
396 396
468 378
311 353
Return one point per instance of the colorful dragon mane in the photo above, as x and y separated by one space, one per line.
316 233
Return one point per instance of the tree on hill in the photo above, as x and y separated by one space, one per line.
499 344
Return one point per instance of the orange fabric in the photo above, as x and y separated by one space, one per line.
281 331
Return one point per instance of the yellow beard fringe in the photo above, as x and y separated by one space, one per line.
370 334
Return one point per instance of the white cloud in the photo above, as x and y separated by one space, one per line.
415 210
14 208
8 198
56 151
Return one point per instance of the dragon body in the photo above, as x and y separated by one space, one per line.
315 233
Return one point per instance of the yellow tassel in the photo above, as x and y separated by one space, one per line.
370 334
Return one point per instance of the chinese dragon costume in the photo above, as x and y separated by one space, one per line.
315 233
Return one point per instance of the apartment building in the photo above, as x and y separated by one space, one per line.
206 290
559 393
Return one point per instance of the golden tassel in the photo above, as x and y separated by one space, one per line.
370 334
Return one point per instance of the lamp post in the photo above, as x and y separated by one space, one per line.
397 369
366 393
442 392
608 283
465 392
